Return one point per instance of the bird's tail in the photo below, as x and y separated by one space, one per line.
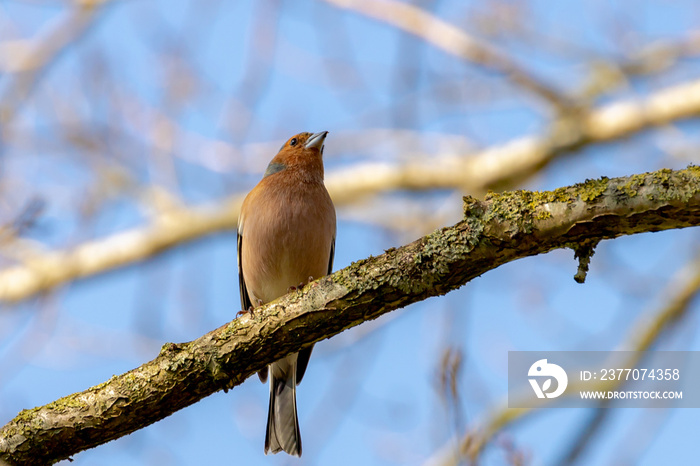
282 422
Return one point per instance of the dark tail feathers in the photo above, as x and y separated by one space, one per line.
282 422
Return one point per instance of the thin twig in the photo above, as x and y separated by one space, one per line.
454 41
683 288
36 58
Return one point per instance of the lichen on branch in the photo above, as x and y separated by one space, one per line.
501 228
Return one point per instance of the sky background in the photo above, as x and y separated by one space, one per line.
239 78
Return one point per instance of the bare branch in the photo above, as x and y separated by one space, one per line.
33 59
493 167
500 229
44 271
454 41
682 291
510 163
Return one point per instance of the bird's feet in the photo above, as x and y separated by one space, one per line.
300 285
249 310
245 311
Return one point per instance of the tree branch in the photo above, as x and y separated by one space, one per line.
454 41
507 164
644 335
37 56
500 229
498 166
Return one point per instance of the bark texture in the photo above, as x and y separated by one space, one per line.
497 230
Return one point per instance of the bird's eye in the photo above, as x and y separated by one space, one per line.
293 142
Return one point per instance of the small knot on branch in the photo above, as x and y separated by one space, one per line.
472 206
170 348
583 252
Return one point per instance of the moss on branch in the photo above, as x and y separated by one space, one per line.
501 228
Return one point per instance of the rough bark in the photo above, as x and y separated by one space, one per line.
497 230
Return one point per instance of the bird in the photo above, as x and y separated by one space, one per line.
286 238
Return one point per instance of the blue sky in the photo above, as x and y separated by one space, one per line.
370 395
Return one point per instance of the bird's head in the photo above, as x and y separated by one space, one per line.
303 151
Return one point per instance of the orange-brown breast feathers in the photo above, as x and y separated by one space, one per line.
287 229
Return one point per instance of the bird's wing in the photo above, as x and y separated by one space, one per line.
245 298
332 256
305 354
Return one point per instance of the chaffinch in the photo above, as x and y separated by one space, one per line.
286 236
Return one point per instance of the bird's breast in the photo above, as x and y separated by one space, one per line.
288 235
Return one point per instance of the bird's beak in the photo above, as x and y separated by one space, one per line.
316 140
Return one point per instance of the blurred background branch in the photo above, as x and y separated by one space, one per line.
27 60
498 167
649 328
454 41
